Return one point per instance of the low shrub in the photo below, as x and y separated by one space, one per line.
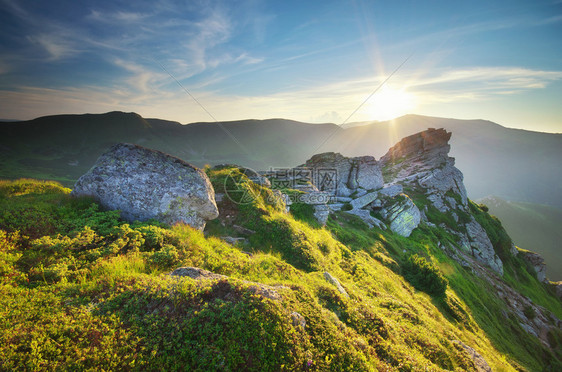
424 275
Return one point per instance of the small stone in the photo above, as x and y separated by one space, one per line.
403 215
479 361
195 273
298 320
233 240
321 213
331 279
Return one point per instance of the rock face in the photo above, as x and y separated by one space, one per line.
558 289
417 170
537 262
362 172
421 163
422 160
403 215
481 246
145 184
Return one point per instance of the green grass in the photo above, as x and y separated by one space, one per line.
88 291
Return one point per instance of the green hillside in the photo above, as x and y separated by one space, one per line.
82 289
534 227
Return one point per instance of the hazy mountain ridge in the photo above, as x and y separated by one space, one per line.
514 164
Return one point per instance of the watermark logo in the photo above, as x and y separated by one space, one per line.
316 185
236 190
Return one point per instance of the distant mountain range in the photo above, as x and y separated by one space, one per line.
511 163
534 227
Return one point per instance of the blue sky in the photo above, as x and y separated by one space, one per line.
314 61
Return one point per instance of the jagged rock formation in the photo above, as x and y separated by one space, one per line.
145 184
353 175
534 319
421 163
415 181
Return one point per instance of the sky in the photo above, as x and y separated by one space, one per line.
313 61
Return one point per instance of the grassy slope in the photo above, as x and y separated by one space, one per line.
82 289
533 227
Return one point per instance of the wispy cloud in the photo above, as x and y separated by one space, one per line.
142 79
550 20
55 45
118 16
147 93
490 79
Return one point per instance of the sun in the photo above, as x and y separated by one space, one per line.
389 103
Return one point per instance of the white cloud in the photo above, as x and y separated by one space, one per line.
55 45
141 79
480 83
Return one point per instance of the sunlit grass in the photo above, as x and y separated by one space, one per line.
100 297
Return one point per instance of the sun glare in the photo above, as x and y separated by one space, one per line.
390 103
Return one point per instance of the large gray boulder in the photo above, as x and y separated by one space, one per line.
145 184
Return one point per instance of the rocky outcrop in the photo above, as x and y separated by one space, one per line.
351 174
558 289
536 262
402 215
422 161
145 184
533 319
481 247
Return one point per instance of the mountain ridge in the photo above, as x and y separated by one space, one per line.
512 163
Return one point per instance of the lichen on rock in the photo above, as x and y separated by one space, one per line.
145 184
